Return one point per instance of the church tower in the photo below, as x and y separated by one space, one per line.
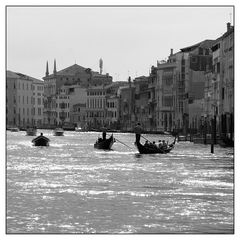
54 69
47 72
100 65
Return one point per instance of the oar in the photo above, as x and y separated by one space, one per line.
122 143
145 138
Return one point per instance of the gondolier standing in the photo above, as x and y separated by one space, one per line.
138 130
104 132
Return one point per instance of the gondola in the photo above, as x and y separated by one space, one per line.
58 132
104 144
40 141
31 132
154 149
14 129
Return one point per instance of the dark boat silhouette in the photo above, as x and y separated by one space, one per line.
151 149
104 144
41 141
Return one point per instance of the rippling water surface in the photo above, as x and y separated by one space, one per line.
70 187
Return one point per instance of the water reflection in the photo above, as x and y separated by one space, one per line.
70 187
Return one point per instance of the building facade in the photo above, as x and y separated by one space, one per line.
70 76
219 87
24 100
12 115
127 106
141 104
37 102
166 96
96 108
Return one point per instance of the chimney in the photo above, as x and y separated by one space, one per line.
171 53
228 26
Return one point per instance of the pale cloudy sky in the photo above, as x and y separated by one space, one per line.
128 39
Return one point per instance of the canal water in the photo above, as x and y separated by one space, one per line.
70 187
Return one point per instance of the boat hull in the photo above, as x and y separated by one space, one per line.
31 132
58 132
14 129
41 141
107 144
153 150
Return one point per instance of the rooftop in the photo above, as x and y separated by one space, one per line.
11 74
204 44
70 71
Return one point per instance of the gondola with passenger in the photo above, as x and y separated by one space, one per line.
152 148
41 141
104 144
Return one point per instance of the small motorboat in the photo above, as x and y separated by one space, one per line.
152 149
31 132
58 132
41 141
78 129
104 144
14 129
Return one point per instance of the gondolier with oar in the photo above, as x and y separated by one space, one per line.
138 131
104 132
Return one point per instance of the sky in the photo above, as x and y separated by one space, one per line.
128 39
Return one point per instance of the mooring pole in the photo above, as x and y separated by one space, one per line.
212 143
205 131
215 129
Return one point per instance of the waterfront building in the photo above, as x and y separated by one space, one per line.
78 102
96 110
199 59
20 100
78 115
37 102
152 81
73 75
62 107
226 110
141 104
166 95
112 116
221 90
127 106
113 104
12 115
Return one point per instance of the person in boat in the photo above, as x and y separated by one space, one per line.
160 143
138 130
153 144
146 144
104 132
164 144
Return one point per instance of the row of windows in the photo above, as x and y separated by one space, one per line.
95 114
33 100
50 89
62 114
26 86
96 103
111 104
96 93
62 105
112 114
62 97
34 122
27 111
